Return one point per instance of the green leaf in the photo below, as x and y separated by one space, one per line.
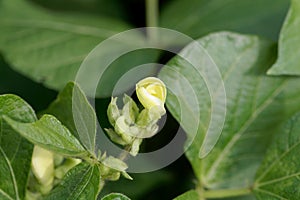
189 195
81 182
115 196
115 163
289 44
15 151
49 46
196 18
278 176
255 105
72 108
50 134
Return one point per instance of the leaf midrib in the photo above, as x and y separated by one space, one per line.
85 185
240 132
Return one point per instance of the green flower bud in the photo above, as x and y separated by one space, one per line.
43 166
111 167
151 92
115 137
115 163
135 146
125 131
113 112
130 110
109 174
148 117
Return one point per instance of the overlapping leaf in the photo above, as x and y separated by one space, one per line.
81 182
279 175
256 104
73 109
289 44
15 151
50 134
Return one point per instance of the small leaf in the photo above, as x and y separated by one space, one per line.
50 134
115 196
115 137
81 182
115 163
289 44
126 175
279 175
113 112
72 108
15 151
189 195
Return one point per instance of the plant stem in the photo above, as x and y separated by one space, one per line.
152 18
123 156
226 193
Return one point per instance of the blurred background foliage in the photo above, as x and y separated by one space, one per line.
192 17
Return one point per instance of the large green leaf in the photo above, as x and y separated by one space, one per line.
81 182
289 44
278 176
115 196
11 82
50 134
74 111
15 151
256 104
49 46
199 17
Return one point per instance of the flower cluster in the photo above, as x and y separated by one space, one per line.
130 124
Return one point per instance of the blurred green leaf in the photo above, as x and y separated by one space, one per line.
289 44
81 182
50 134
115 196
72 108
190 195
278 176
15 151
12 82
256 104
106 8
199 17
49 46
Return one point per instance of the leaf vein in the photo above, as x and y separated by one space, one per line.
236 137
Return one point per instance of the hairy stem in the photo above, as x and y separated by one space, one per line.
226 193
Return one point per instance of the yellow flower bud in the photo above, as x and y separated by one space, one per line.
151 92
43 165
